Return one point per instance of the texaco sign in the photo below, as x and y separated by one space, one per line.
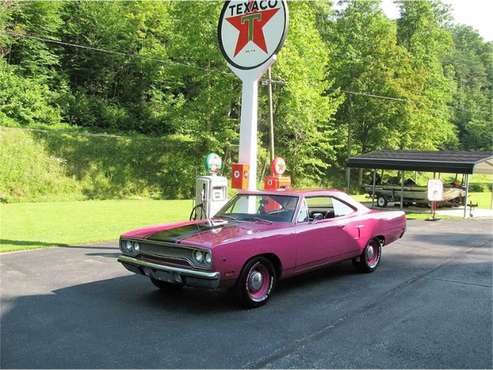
251 32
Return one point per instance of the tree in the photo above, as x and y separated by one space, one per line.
212 93
367 60
34 57
472 61
421 29
30 84
25 101
199 79
304 126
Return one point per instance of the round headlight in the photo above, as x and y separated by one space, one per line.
208 258
128 246
199 256
136 247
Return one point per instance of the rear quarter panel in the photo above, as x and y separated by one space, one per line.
367 225
389 224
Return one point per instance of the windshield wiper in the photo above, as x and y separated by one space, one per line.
255 218
226 217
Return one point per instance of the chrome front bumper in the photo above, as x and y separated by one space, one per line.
203 279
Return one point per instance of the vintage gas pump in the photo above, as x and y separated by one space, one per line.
211 192
277 181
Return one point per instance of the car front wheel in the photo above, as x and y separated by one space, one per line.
256 283
369 260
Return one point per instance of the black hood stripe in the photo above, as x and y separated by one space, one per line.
177 234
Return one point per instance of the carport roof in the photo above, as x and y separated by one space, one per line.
429 161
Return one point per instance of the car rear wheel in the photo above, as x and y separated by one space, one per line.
369 260
256 283
165 286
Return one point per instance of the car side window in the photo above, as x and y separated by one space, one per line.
326 207
303 213
341 208
320 207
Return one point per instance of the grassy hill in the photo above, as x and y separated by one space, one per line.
37 165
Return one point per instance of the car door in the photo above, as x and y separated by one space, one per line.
325 240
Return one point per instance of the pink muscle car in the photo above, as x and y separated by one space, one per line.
260 237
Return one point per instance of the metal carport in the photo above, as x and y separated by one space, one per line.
459 162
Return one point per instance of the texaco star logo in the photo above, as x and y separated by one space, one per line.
251 26
250 32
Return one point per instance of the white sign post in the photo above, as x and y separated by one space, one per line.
435 190
435 194
251 33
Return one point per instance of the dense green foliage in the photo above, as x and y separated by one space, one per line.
367 58
154 68
472 62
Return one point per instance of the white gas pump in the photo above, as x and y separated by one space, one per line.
211 192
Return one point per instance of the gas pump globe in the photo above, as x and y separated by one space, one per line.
211 191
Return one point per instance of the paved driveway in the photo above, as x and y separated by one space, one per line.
428 305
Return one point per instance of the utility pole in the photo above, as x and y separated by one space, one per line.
269 84
271 116
348 169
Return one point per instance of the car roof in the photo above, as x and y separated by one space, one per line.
295 192
312 193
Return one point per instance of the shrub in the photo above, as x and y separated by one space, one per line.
24 101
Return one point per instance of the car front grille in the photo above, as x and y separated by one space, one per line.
166 253
165 261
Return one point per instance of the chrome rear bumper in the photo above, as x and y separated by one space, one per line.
203 279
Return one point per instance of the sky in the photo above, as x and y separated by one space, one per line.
475 13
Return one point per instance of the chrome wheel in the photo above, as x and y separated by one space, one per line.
369 259
372 254
258 282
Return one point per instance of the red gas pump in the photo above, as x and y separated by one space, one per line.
240 176
276 181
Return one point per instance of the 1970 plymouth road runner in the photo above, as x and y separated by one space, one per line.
260 237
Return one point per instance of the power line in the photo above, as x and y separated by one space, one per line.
107 51
374 96
132 55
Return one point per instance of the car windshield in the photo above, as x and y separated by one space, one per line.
259 208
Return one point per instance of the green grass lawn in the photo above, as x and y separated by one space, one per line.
483 199
37 225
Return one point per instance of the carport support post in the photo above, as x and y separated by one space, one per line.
467 195
402 189
373 188
491 196
348 179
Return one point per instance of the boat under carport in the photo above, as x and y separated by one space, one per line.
458 162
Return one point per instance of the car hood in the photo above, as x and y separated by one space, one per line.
201 233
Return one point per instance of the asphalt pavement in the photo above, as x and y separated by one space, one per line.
429 305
